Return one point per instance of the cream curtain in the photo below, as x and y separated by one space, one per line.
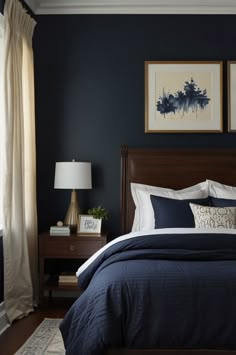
1 107
19 164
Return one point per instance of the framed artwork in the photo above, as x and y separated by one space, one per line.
231 76
183 96
89 225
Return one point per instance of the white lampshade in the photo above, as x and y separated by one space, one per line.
73 175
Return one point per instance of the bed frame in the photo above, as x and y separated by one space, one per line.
175 168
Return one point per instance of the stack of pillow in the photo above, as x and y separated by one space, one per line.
208 204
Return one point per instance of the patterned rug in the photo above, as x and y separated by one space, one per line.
46 340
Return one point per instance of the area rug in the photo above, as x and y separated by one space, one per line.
46 340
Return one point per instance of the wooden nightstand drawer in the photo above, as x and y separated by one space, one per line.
70 247
65 247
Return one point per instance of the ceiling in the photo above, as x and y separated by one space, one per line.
43 7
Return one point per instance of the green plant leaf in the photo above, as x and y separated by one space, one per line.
98 213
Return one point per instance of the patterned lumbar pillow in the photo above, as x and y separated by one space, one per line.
214 217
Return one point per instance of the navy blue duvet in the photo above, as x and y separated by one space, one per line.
156 291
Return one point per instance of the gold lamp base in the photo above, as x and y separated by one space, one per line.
72 214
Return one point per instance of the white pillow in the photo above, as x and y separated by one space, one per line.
216 189
144 215
213 217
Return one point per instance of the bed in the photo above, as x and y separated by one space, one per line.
163 289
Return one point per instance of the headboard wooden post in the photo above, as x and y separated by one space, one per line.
123 187
175 168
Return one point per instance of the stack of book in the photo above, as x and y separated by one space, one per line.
55 230
67 280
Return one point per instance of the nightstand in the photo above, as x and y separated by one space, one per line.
64 247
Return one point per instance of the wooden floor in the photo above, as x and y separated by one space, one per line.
15 336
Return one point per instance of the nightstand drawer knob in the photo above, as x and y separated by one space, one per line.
72 247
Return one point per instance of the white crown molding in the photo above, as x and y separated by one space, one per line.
33 4
43 7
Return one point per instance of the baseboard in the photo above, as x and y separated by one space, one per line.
3 318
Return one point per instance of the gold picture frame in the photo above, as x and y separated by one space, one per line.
231 86
183 96
88 225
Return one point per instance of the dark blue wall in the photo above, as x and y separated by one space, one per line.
1 5
89 78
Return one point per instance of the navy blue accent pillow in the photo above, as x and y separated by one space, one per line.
172 213
222 202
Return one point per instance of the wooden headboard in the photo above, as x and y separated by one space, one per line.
174 168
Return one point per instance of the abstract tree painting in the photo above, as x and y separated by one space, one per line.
183 96
191 98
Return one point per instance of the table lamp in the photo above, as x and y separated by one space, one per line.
73 175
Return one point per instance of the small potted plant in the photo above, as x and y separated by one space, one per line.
98 213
